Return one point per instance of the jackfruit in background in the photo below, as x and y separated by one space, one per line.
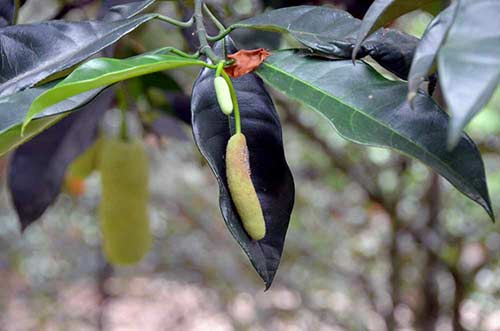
123 211
86 163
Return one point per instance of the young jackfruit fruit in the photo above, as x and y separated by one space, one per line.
123 211
241 187
223 95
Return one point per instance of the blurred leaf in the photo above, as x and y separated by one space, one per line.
383 12
106 71
14 107
469 62
38 167
366 108
8 11
271 176
31 52
333 32
428 48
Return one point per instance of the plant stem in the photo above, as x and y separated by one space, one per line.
175 22
214 19
220 67
123 126
169 49
17 4
221 34
202 33
234 99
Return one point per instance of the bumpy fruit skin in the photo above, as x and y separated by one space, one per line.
123 210
241 187
223 95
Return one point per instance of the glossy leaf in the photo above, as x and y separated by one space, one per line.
469 62
333 32
428 48
366 108
382 12
37 168
103 72
31 52
271 176
14 107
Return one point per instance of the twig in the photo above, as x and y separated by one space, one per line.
201 32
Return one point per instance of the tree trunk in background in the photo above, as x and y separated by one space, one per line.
428 313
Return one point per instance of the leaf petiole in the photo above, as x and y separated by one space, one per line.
175 22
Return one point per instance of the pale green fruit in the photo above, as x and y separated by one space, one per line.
123 210
223 95
241 187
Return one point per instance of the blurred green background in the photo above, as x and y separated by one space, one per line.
427 261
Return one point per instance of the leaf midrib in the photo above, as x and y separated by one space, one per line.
371 118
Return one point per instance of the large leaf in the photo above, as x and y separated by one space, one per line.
270 173
428 48
31 52
333 32
37 168
106 71
382 12
469 61
14 107
366 108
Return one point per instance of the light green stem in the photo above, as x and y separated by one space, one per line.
175 22
234 99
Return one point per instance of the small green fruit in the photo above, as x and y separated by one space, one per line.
123 210
242 189
223 95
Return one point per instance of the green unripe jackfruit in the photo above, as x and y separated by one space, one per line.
242 189
123 211
223 95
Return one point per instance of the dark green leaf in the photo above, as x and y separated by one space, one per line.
106 71
333 32
14 107
31 52
366 108
323 29
271 176
469 61
37 168
382 12
428 48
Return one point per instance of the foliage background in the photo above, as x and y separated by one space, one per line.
348 264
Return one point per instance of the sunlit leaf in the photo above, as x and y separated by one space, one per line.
103 72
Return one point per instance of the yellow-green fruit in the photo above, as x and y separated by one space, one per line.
223 95
242 189
123 210
85 163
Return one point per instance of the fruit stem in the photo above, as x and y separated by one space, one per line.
220 66
123 126
234 99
